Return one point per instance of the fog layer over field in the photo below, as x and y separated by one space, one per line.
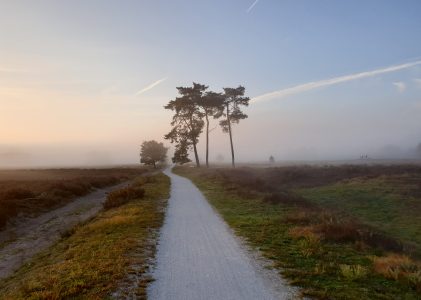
254 143
84 83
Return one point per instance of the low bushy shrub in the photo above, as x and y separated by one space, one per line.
9 203
333 228
338 231
17 194
288 198
8 208
122 196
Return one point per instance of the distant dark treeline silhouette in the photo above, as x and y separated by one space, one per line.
193 109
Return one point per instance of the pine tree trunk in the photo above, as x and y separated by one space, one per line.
230 133
196 155
207 141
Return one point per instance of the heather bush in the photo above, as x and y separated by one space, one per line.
122 196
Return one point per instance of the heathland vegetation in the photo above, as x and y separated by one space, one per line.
108 255
31 192
338 232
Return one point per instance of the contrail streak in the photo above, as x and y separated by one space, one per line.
327 82
151 86
252 6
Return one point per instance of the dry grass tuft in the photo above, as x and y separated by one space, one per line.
303 232
353 272
399 268
309 241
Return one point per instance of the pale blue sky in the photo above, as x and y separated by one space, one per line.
94 75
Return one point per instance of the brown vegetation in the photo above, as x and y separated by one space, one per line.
123 196
33 191
329 227
399 268
281 178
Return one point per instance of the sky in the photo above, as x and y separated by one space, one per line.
85 82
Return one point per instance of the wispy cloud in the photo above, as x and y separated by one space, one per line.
151 86
332 81
400 86
252 6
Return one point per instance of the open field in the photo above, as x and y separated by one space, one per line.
108 254
34 191
339 232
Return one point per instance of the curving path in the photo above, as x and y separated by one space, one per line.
21 241
199 258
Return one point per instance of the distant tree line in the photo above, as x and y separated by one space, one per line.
193 109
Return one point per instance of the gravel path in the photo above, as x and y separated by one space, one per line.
22 240
199 257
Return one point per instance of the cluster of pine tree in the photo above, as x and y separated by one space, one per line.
193 109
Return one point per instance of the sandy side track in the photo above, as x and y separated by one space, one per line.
199 257
26 237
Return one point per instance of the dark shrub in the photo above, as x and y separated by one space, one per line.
380 240
17 194
100 182
123 196
116 198
68 189
285 197
8 208
9 203
332 229
136 192
302 217
337 231
3 216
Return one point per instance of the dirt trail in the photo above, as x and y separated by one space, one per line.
200 258
21 241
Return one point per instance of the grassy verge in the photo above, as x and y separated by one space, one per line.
309 246
96 256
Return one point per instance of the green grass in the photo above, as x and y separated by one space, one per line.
388 203
323 269
95 257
